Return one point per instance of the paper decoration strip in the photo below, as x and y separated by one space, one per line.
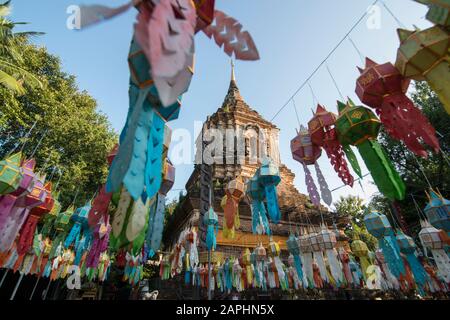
227 32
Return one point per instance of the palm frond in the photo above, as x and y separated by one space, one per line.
11 83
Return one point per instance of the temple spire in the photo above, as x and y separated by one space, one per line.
233 77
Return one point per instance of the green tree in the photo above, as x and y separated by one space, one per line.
354 207
69 133
418 173
13 72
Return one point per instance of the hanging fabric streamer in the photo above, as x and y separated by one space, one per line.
294 250
28 197
137 224
100 244
261 257
269 178
408 247
382 87
329 244
307 259
27 231
423 55
359 126
158 225
378 225
306 152
360 250
318 247
323 133
260 222
230 204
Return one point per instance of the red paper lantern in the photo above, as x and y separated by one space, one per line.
323 133
382 87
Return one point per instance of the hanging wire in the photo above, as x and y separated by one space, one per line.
323 61
361 56
334 81
422 171
25 137
296 113
39 143
60 172
315 100
393 15
419 211
394 219
444 155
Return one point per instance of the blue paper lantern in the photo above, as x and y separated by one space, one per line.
438 211
377 224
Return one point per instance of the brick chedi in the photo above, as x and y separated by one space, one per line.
241 155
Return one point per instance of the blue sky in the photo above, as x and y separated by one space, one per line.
293 36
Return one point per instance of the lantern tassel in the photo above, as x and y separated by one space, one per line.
383 172
154 165
272 203
401 118
391 252
324 190
308 269
134 180
311 186
335 266
351 156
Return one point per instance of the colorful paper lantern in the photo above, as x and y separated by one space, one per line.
211 222
408 247
260 222
230 203
439 11
438 211
359 126
306 152
269 178
10 173
322 129
432 239
80 219
379 226
44 192
382 87
294 250
360 250
423 55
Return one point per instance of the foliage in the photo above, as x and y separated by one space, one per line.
411 168
70 135
354 208
13 72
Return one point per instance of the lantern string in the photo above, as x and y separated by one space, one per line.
296 113
361 56
401 24
394 219
314 97
419 211
39 143
422 171
334 81
323 61
25 137
60 172
76 195
444 155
